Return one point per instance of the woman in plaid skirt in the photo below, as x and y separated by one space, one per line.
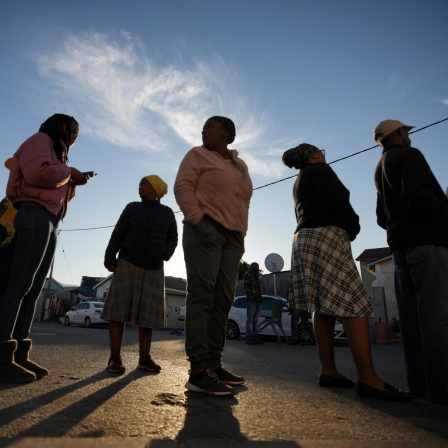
324 278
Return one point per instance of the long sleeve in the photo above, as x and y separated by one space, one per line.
116 239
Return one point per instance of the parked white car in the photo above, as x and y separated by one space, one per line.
85 313
236 323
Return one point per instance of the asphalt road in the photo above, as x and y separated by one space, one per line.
280 406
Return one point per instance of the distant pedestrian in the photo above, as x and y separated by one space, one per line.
304 317
413 209
324 278
213 189
144 237
251 282
40 185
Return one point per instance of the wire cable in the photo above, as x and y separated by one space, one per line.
286 178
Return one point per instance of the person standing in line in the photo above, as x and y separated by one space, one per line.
251 283
7 242
40 185
213 190
413 208
324 278
304 317
144 237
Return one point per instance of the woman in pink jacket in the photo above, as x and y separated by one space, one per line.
40 185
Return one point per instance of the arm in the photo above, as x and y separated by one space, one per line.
335 200
171 238
185 188
381 217
40 166
116 239
419 186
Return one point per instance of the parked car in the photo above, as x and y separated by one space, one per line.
236 322
85 313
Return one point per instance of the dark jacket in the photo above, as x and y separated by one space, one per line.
411 204
145 235
252 286
321 200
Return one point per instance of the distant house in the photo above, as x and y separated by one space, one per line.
87 284
51 289
175 295
377 270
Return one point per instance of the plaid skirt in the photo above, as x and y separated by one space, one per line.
323 275
136 296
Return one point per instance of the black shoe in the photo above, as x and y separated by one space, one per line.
292 341
258 342
228 377
208 383
390 393
250 342
331 381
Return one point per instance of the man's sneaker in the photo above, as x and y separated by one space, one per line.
228 377
250 342
115 365
208 383
258 342
147 363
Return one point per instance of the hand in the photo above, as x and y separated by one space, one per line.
111 268
77 177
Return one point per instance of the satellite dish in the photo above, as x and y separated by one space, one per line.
274 263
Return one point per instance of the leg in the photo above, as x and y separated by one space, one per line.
295 313
145 361
304 320
27 309
224 293
357 329
323 331
429 272
202 252
255 318
410 330
32 255
6 257
251 310
116 332
144 341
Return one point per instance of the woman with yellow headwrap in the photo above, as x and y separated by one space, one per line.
144 237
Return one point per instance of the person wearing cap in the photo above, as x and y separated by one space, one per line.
324 278
413 208
213 190
144 237
40 185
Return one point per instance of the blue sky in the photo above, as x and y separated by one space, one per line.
142 76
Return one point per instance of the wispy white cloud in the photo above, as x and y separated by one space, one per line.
125 98
445 101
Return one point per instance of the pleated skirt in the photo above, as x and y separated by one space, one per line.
323 275
136 296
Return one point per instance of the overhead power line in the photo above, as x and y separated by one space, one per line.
286 178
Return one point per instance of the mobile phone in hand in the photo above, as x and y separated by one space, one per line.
90 173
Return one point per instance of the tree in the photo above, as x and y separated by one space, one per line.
243 268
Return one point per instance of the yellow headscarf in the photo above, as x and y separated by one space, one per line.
158 184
